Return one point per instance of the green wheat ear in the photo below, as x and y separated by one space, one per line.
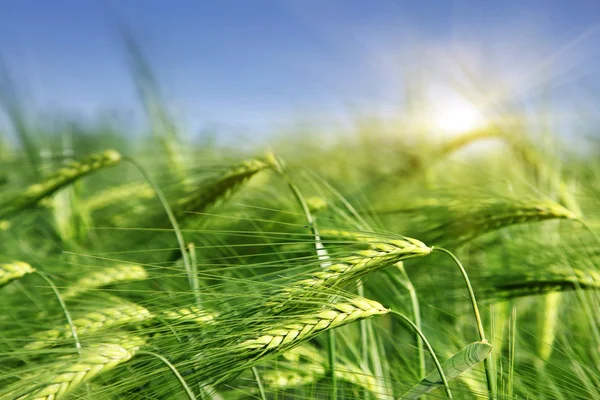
216 191
15 270
61 178
460 224
351 269
189 314
461 362
117 194
219 189
73 371
302 328
107 276
552 280
91 323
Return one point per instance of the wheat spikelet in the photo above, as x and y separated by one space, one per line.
189 314
59 179
12 271
200 199
355 236
92 322
289 334
74 371
117 194
120 273
350 269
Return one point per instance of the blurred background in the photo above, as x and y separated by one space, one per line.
243 72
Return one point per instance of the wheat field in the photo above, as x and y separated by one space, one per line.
376 266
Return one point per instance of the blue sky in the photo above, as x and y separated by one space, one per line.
261 63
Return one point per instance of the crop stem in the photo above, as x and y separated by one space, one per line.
489 367
64 308
438 366
261 389
192 279
184 385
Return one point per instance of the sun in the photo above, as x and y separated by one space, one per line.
452 114
457 119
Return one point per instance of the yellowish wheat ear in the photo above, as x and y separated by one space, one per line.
350 235
350 269
189 314
15 270
64 176
76 370
108 276
316 204
117 194
92 322
306 326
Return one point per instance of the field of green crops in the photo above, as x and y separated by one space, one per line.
382 264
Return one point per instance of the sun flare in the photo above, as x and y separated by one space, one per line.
452 114
458 119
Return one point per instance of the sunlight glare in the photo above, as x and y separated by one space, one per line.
457 117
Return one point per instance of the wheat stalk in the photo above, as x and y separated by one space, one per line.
64 176
74 371
120 273
15 270
92 322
